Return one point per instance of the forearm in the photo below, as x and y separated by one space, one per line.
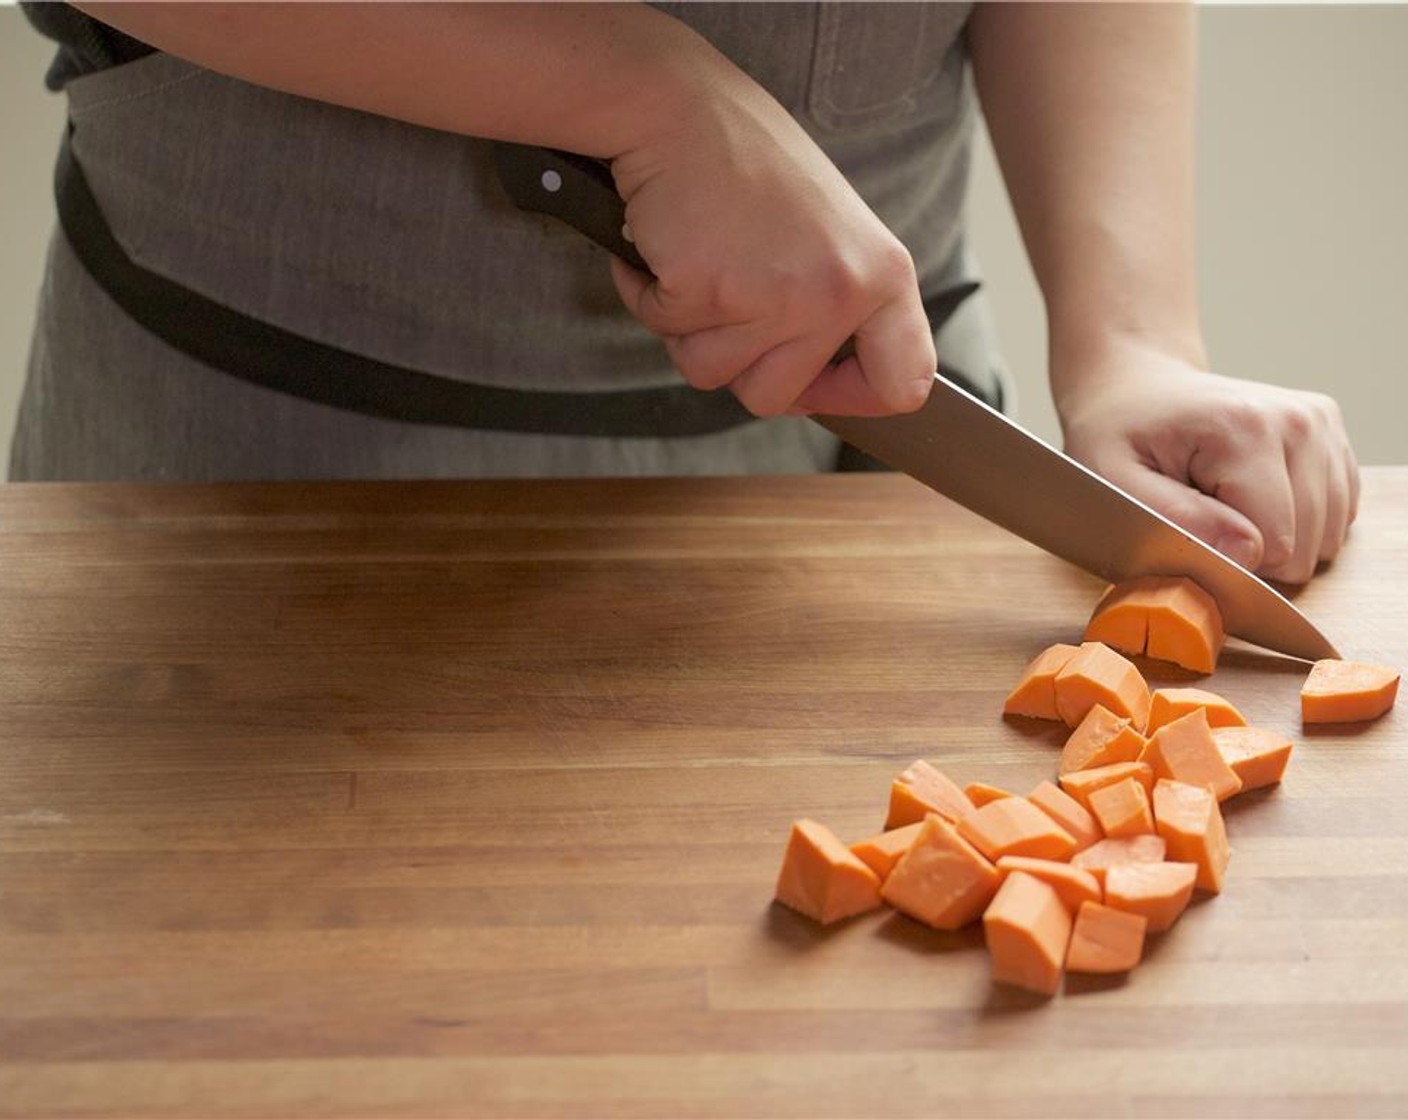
593 78
1090 108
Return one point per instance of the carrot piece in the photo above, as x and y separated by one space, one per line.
923 789
824 879
1099 675
1066 811
1169 704
1256 755
881 852
1080 784
980 793
1158 891
1035 692
1099 858
1166 617
1013 826
1072 884
1189 820
1185 752
1122 809
1105 939
942 880
1347 692
1027 930
1100 739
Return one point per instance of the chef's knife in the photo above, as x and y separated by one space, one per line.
970 452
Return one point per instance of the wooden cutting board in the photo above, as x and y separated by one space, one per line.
467 799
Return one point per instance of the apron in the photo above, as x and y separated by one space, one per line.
397 244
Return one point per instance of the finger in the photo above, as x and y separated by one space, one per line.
895 349
657 309
713 358
1210 520
1352 470
1338 502
1308 467
843 390
1247 471
772 385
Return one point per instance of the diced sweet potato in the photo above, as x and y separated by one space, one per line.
1185 752
1027 931
1188 819
1080 784
942 880
1066 811
881 852
923 789
1347 692
1257 756
1105 940
1122 808
1099 858
1035 693
1073 885
1169 704
1099 675
1013 826
1158 891
824 879
980 793
1100 739
1166 617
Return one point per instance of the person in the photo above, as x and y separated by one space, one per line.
290 248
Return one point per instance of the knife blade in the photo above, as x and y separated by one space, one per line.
970 452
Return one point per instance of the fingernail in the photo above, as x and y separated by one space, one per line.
1237 547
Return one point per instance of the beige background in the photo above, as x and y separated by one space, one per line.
1303 231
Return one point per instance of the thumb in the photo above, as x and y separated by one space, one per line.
1208 519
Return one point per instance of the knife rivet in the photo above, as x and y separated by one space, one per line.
552 181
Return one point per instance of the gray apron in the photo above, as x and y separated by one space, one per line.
397 242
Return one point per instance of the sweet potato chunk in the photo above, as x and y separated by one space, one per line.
824 879
1189 820
1080 784
980 793
1013 826
1066 811
1347 692
923 789
1257 756
1027 931
1073 885
1169 618
1099 858
1099 675
1184 751
1158 891
1105 940
1035 692
942 880
1169 704
1100 739
1122 809
880 853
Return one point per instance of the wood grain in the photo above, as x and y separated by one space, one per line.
467 800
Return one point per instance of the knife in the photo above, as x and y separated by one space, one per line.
967 451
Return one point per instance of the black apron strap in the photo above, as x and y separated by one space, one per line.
269 356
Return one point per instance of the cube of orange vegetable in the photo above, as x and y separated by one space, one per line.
1347 692
1013 826
1100 739
1027 931
1067 812
942 880
1257 756
1185 752
1122 809
1035 693
1099 858
980 793
1099 675
1166 617
1158 891
1105 940
880 853
1169 704
1188 819
923 789
824 879
1080 784
1073 885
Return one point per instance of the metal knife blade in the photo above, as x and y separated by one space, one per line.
969 452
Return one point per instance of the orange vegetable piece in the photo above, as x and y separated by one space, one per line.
1166 617
1257 756
942 880
1122 808
1100 739
1027 931
1099 675
1099 858
980 793
1158 891
1105 940
1185 752
1080 784
1013 826
824 879
1188 818
923 789
1073 885
1169 704
1066 811
1035 693
880 853
1347 692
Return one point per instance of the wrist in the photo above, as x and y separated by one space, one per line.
1086 356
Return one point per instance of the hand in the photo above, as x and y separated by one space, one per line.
766 261
1262 473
